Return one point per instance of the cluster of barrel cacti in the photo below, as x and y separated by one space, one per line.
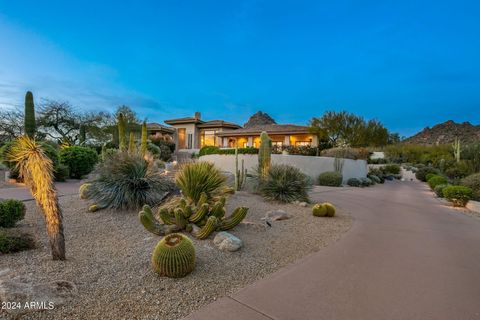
174 256
200 219
323 210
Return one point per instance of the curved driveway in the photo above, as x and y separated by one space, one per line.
407 256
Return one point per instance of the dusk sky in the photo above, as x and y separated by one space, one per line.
409 64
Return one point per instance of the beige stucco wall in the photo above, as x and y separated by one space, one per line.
311 166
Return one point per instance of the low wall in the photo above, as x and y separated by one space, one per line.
311 166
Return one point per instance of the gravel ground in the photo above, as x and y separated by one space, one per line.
108 259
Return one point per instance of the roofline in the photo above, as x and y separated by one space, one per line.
234 133
183 121
220 124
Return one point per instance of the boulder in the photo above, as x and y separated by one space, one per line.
277 215
227 242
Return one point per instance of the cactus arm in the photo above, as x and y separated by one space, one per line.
149 222
207 229
166 217
201 212
218 209
203 199
237 216
180 220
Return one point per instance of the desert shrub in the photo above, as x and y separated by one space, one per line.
165 153
125 181
215 150
11 211
391 169
196 178
347 153
296 150
61 172
421 173
374 178
154 149
162 142
285 183
365 182
378 173
331 179
473 182
79 160
411 153
10 243
354 182
430 175
458 171
458 195
435 180
439 189
377 161
208 150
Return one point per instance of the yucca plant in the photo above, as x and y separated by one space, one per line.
36 169
285 183
196 178
127 181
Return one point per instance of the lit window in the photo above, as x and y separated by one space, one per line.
208 138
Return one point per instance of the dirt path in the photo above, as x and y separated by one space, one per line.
407 256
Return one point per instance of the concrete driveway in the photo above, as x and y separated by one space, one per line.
407 256
20 192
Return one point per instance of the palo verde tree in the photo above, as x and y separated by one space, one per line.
29 120
36 169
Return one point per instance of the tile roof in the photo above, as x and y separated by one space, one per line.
157 126
184 120
218 123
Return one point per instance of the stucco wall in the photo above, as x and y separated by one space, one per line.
311 166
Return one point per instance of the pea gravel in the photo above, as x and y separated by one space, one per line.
108 259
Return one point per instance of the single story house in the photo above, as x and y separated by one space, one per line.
192 133
158 131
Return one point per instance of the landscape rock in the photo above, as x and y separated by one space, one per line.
303 204
277 215
227 242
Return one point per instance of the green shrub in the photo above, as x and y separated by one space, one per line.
196 178
61 172
430 175
11 244
473 182
391 169
79 160
378 173
436 180
374 178
215 150
458 171
346 153
330 179
458 195
126 181
11 211
421 173
365 182
296 150
285 183
208 150
439 189
354 182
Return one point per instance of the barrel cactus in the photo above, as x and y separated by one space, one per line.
83 191
319 210
174 256
330 209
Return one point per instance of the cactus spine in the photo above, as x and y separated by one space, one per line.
29 120
174 256
240 175
457 149
143 146
264 155
131 144
122 143
231 222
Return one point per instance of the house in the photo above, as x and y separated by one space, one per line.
192 133
158 131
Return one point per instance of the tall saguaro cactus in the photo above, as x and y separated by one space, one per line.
29 121
240 175
83 134
36 169
143 146
457 149
122 139
264 155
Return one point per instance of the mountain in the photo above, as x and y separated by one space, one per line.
446 133
259 118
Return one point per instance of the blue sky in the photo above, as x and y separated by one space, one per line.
409 64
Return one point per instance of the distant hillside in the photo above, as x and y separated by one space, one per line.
446 132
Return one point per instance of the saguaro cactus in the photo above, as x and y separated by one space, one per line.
264 155
83 134
122 143
457 149
143 147
29 120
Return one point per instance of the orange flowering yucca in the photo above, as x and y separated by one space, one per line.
36 169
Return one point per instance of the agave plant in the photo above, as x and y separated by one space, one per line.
285 183
36 170
127 181
196 178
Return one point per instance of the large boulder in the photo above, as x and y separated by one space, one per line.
277 215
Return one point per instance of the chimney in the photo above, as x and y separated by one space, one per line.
197 115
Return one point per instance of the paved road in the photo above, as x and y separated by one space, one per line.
407 256
20 192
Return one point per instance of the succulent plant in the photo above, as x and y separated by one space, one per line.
330 209
210 226
240 175
93 208
264 155
83 191
231 222
174 256
319 210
